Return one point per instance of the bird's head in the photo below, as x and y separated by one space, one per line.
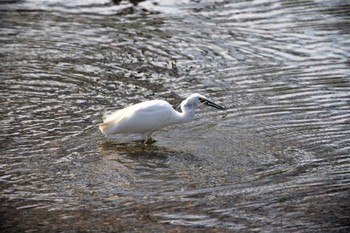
194 100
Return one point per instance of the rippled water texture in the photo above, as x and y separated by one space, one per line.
276 161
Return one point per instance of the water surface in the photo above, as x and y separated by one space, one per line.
276 160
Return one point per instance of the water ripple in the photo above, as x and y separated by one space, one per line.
276 160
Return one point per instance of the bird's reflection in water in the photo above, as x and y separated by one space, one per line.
135 150
136 153
143 167
134 163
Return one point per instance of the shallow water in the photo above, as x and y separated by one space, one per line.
276 161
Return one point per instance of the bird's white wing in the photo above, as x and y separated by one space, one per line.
144 117
114 115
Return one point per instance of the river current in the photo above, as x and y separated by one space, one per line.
277 160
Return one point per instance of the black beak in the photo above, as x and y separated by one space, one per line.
211 104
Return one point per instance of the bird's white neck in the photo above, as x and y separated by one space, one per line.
185 115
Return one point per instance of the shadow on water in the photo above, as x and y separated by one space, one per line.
135 2
276 161
136 148
151 155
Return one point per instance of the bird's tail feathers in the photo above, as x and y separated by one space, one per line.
106 127
111 115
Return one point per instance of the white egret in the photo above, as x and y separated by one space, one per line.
149 116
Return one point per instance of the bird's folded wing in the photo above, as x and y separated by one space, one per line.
109 116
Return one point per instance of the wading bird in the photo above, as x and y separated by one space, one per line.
149 116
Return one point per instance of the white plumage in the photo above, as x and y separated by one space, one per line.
149 116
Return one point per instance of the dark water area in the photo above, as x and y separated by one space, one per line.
277 160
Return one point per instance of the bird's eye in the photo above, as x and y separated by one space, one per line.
201 100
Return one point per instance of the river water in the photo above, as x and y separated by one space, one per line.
277 160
